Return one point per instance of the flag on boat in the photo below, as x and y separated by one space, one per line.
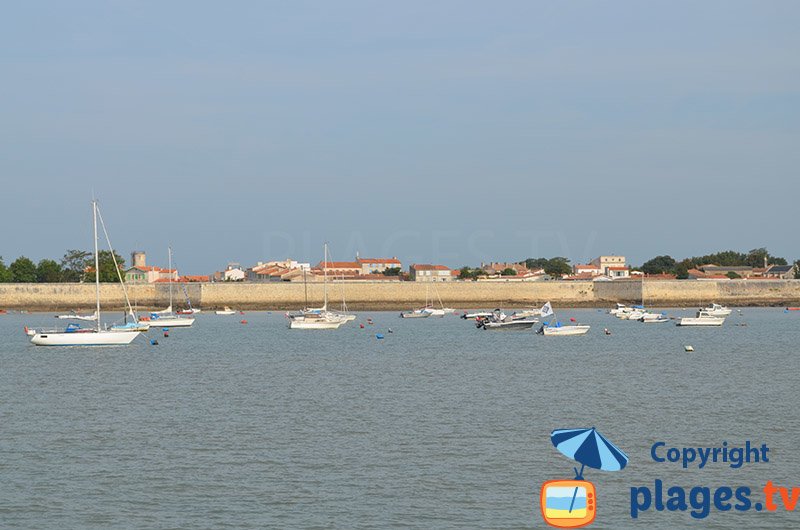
547 310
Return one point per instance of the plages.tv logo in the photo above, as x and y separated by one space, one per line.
573 503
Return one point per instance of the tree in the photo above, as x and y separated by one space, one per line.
557 267
48 271
5 274
682 269
391 271
508 272
535 263
74 264
732 275
796 270
466 273
659 265
108 273
23 270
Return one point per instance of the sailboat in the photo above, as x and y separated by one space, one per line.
318 318
74 335
166 318
558 329
426 311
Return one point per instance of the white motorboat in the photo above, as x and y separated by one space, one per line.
225 311
477 314
701 321
500 321
558 329
564 330
74 335
716 310
648 316
434 312
417 313
658 320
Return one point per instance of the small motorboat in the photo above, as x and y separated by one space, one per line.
500 321
478 314
559 330
417 313
716 310
225 311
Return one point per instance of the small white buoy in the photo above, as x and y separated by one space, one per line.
688 348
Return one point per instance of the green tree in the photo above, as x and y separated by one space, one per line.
508 272
659 265
796 270
48 271
391 271
466 273
557 267
682 269
108 272
23 270
535 263
732 275
5 274
74 264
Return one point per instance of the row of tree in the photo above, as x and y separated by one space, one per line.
728 258
75 266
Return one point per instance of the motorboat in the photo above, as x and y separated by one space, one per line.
189 311
701 321
417 313
658 320
559 330
500 321
716 310
477 314
225 311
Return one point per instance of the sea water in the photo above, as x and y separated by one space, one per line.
438 425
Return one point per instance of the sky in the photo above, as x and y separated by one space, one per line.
438 132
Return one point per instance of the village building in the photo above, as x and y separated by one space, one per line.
420 272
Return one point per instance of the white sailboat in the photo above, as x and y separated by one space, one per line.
166 318
319 318
74 335
76 316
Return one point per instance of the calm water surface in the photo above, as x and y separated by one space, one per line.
439 425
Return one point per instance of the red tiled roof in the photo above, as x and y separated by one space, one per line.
617 268
340 265
379 260
193 279
425 267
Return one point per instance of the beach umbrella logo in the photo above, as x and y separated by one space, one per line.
573 503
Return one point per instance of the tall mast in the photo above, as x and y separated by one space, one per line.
169 269
96 262
325 278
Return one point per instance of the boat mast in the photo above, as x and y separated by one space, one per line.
305 289
169 253
325 278
96 262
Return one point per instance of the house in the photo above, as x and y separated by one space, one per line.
233 273
783 272
420 272
140 272
272 271
603 263
378 265
696 274
497 268
150 274
717 270
339 267
618 272
591 269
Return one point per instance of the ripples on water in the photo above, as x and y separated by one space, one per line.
439 425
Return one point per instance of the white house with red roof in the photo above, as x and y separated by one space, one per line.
423 272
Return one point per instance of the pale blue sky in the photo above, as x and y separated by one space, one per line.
448 131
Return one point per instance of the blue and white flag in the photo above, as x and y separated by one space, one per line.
547 310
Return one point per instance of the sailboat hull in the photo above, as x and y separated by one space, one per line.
93 338
171 322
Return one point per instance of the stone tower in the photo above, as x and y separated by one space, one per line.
138 258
